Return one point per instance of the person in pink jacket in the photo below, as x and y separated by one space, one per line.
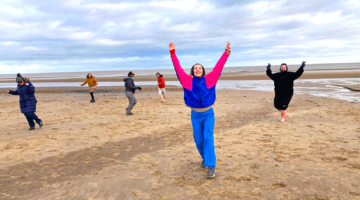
200 95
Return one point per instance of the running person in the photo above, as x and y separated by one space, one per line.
284 86
200 95
26 91
92 83
130 91
161 85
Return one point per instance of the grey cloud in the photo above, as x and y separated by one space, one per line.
64 33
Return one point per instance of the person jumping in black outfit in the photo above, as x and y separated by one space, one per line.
284 86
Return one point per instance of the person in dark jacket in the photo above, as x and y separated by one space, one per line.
284 86
26 90
130 91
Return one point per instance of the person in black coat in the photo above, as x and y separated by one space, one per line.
130 91
26 92
284 86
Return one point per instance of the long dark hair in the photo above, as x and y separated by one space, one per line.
192 69
87 76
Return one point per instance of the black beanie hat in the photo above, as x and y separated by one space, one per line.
19 78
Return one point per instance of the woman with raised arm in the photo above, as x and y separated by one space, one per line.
200 95
284 86
91 81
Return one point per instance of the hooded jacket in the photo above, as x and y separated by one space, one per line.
199 92
129 85
27 97
284 81
161 82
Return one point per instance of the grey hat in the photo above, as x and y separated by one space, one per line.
158 73
19 78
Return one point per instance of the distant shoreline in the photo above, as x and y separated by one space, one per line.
306 75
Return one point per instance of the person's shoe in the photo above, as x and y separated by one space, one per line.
32 128
41 124
202 164
92 100
211 172
129 113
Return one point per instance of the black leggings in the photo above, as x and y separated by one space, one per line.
281 102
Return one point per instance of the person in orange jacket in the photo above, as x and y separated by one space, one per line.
92 83
161 85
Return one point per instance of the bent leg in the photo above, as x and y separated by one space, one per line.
29 119
285 101
132 101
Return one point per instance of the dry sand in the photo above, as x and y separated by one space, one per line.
94 151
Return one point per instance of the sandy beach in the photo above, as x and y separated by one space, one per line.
95 151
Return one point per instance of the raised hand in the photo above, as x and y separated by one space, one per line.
269 66
227 47
303 64
172 48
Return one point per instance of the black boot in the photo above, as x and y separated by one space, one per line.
41 124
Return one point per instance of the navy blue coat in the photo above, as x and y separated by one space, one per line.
27 97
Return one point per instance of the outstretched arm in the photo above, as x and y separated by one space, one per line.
84 82
185 79
213 76
300 71
13 92
269 72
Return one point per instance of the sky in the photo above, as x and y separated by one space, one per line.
97 35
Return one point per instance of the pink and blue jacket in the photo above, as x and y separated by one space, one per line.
199 92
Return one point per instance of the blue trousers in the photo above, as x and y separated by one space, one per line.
203 127
31 117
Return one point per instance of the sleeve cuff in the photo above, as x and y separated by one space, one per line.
172 51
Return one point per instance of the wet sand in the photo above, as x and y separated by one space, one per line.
94 151
306 75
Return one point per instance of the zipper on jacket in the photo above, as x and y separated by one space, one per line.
199 92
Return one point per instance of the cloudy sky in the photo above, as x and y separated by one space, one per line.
95 35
